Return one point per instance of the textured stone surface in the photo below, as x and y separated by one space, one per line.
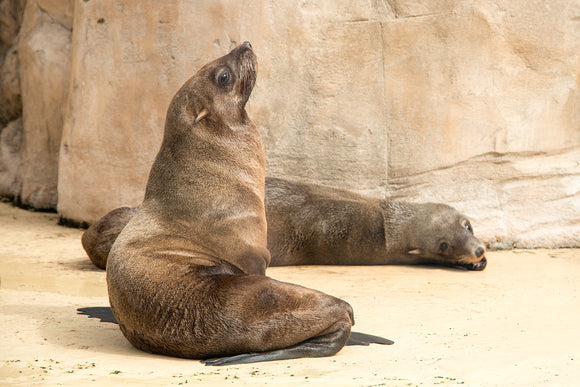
484 114
44 57
10 18
11 12
10 95
62 11
10 159
473 103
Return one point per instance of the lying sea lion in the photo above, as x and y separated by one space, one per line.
315 224
186 275
318 225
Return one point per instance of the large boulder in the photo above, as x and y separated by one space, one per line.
472 103
484 113
11 12
44 47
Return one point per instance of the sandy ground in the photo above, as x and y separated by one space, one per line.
516 323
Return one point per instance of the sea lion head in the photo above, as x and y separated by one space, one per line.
217 92
443 236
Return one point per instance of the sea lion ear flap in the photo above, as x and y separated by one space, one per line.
415 252
202 114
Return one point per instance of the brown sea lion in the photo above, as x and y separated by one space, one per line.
186 275
314 224
318 225
100 236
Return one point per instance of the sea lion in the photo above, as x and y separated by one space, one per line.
319 225
315 224
186 275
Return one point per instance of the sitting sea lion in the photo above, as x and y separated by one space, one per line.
186 275
319 225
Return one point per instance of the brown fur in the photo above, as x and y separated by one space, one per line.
314 224
186 275
318 225
100 236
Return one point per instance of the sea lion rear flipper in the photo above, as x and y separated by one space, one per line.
358 338
104 313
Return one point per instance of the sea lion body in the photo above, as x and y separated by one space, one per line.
310 224
186 275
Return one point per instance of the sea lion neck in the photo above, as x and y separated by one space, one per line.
396 216
206 120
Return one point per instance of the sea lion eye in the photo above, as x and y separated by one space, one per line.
224 78
444 246
468 227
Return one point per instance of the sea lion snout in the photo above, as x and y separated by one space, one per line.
477 266
476 259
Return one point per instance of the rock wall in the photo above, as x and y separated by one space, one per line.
35 77
473 103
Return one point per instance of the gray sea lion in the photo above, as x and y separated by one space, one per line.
315 224
186 275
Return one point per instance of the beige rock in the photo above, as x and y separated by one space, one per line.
10 100
474 103
61 11
123 75
44 56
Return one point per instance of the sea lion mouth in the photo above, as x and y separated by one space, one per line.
248 68
477 266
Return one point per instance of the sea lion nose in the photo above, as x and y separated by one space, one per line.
479 252
247 44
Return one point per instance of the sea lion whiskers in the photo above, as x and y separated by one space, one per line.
248 69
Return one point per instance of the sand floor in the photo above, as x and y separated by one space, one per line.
516 323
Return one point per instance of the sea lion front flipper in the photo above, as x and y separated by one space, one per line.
245 358
309 348
320 346
358 338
